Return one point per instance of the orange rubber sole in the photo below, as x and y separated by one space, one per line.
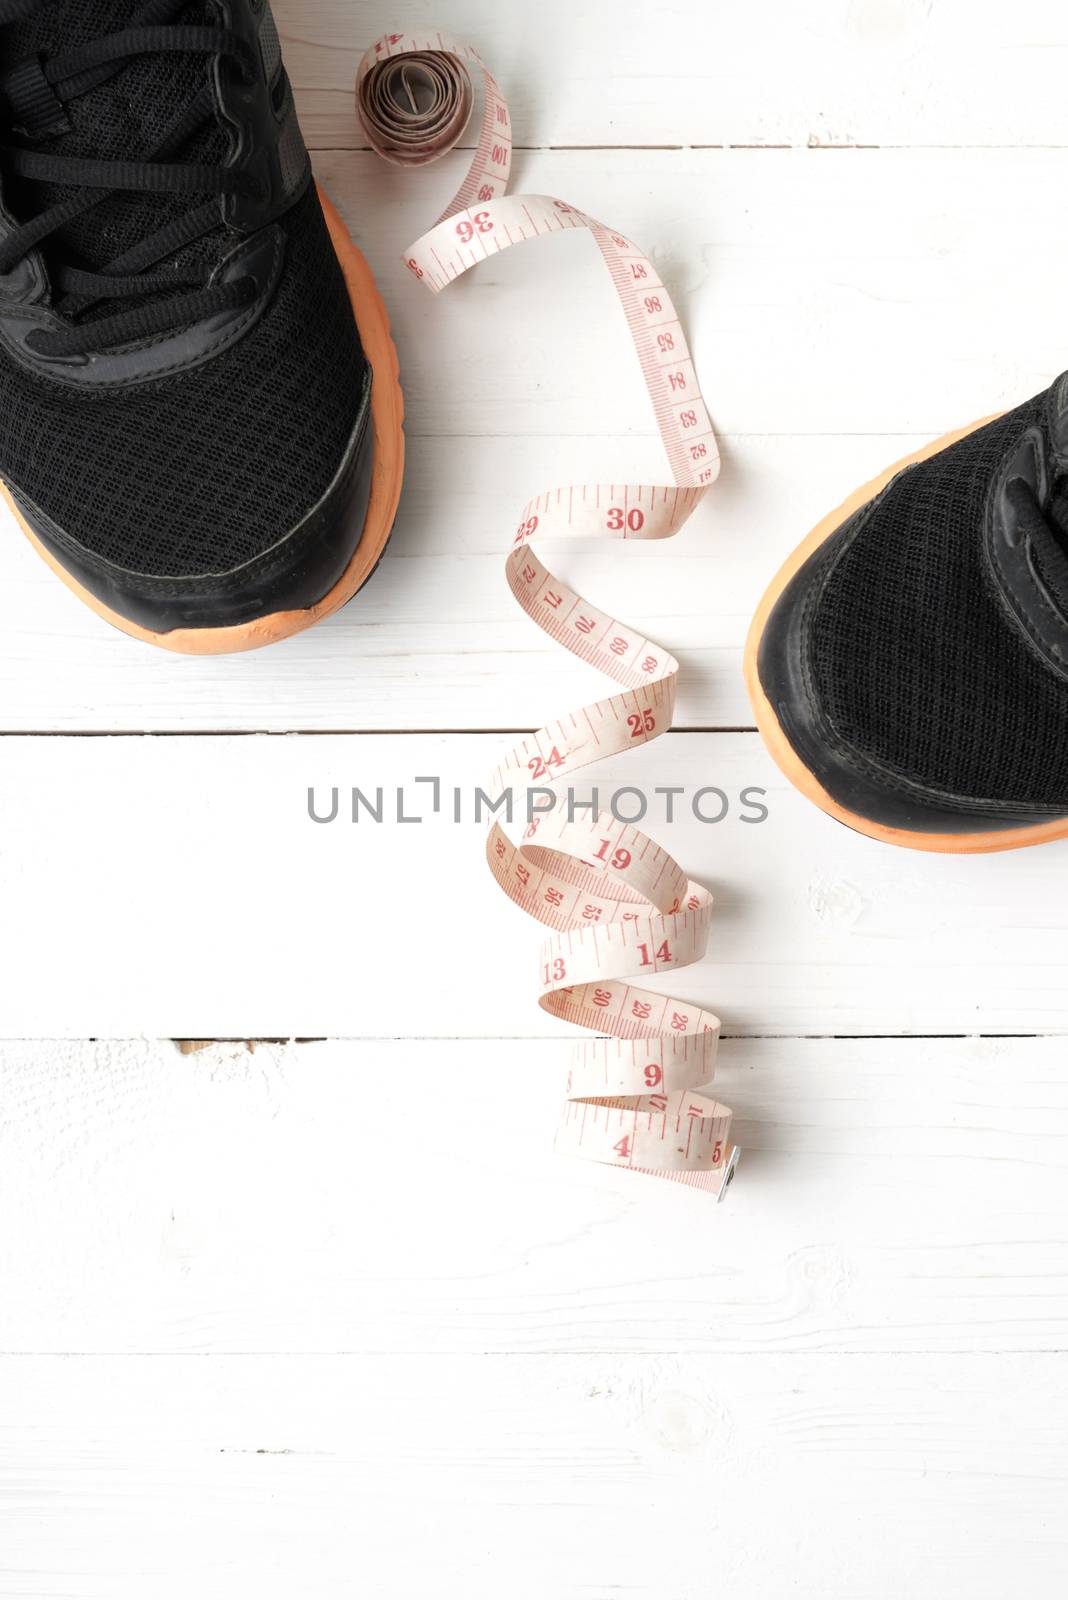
387 415
783 751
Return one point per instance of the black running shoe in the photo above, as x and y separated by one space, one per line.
909 665
189 431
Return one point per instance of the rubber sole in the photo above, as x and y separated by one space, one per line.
783 751
387 414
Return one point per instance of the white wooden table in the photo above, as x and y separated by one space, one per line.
255 1345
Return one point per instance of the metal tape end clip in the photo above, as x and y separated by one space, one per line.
728 1176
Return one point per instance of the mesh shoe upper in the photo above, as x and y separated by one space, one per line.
201 471
913 657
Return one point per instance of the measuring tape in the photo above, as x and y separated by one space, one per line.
619 908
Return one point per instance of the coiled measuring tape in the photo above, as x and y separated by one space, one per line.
619 908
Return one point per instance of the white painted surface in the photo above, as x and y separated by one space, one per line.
664 1477
185 892
285 1323
844 72
401 1196
290 1323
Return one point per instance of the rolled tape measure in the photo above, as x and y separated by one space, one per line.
618 907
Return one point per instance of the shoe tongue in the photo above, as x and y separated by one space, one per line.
124 119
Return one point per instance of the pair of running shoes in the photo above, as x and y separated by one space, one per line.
201 431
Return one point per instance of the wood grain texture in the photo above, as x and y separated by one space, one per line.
185 892
385 1197
845 72
661 1478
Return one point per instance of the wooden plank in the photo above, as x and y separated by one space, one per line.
569 1476
177 887
824 293
889 72
565 1476
400 1197
804 324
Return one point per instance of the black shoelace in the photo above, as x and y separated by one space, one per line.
39 83
1048 541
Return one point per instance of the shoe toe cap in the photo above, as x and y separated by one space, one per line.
293 573
851 780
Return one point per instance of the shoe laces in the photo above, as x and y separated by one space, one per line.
1047 540
35 92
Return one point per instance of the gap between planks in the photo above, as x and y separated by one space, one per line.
192 1047
669 149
